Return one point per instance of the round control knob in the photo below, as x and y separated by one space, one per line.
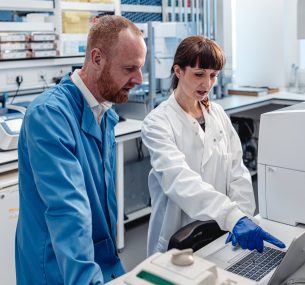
183 257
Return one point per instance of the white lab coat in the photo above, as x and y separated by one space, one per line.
195 175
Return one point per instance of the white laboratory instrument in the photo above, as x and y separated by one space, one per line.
270 267
179 267
10 124
9 210
166 38
281 165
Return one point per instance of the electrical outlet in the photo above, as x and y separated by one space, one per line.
42 77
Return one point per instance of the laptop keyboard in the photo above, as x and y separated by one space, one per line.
257 265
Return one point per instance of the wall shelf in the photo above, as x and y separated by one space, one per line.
37 62
82 6
26 27
28 5
141 8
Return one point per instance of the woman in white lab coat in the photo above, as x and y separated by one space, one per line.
196 156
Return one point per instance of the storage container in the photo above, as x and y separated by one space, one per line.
75 22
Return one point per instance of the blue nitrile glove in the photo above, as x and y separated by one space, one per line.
251 236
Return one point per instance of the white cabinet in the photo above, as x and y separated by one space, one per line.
9 209
287 186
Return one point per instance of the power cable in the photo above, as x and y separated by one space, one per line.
44 81
140 149
19 80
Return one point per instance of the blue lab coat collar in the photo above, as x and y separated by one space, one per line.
88 122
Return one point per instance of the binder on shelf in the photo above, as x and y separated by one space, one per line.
252 91
272 90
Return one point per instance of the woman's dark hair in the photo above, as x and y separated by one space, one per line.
197 49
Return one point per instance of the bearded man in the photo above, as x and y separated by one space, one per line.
66 232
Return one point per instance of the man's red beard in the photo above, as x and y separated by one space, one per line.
109 91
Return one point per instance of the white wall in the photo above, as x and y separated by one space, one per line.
265 41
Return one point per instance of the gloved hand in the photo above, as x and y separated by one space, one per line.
251 236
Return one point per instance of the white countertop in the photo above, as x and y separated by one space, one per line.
127 127
236 103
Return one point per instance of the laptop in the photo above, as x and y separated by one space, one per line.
272 267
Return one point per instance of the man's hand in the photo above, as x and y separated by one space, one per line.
251 236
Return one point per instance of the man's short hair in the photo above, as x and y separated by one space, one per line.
105 32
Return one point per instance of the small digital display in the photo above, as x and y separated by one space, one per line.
153 279
14 125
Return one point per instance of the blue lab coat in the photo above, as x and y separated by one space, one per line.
66 232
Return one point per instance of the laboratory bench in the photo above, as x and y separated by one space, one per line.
125 131
239 103
285 233
131 129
